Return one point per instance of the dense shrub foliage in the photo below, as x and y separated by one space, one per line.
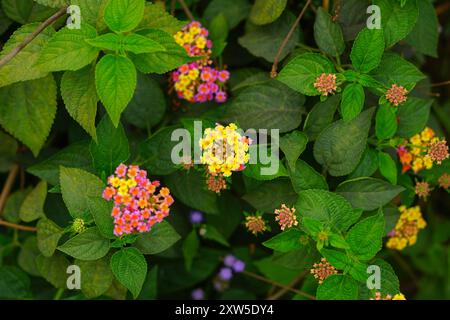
316 164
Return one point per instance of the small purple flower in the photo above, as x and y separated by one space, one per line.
229 260
225 274
196 217
238 266
198 294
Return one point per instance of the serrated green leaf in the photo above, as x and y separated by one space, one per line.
293 144
96 277
266 11
130 268
115 80
367 50
80 97
340 146
14 283
156 17
112 147
100 210
285 241
32 207
302 71
124 15
320 116
161 237
304 177
53 3
27 111
190 248
388 280
338 287
234 14
271 195
54 269
77 186
352 102
368 193
88 245
92 11
367 166
48 235
385 122
328 34
26 259
26 11
413 116
387 166
209 232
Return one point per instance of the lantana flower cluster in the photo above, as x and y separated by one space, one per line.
322 270
396 95
138 205
198 81
421 151
224 150
286 217
256 223
326 84
406 229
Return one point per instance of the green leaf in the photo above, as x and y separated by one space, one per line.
338 287
75 155
388 280
387 166
26 259
96 277
413 116
264 41
234 14
304 177
124 15
54 269
328 34
293 144
337 259
157 152
367 166
340 146
393 69
285 241
21 67
266 11
26 11
327 207
27 111
130 268
13 204
425 35
80 97
368 193
211 233
256 172
88 245
48 235
112 147
271 195
156 17
190 189
266 106
164 61
115 80
53 3
312 226
302 71
385 122
108 41
365 237
190 248
92 12
77 186
367 50
100 210
148 106
68 50
161 237
352 101
134 43
397 21
320 116
14 283
32 207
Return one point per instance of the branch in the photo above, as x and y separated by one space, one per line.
31 37
186 10
283 291
280 285
8 185
17 226
274 71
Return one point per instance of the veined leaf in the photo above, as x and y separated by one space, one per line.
328 34
124 15
88 245
367 50
266 11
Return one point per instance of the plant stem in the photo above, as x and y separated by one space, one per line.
274 71
186 10
8 185
280 285
31 37
17 226
283 291
326 4
58 294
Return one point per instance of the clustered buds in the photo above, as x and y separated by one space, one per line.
198 81
215 182
396 95
286 217
378 296
422 189
255 224
326 84
137 203
444 181
231 265
322 270
406 229
224 150
78 225
421 151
